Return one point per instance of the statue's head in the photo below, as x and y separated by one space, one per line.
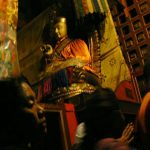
60 27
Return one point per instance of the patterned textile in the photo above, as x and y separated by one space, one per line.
114 70
9 65
83 7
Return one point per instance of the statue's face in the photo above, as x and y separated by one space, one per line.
60 29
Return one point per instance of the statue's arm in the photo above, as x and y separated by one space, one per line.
59 65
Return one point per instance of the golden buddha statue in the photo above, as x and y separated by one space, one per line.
69 67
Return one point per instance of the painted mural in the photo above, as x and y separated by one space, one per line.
9 65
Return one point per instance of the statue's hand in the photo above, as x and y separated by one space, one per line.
47 49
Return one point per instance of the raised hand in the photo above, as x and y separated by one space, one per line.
127 134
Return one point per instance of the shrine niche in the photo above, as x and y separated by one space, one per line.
30 50
101 39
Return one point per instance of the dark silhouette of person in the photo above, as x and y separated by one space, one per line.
22 120
102 117
143 116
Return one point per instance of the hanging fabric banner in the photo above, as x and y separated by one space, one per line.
115 73
83 7
106 53
9 65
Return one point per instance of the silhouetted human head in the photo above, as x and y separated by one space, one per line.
102 117
19 112
142 136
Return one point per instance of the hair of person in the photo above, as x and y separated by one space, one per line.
103 117
103 97
11 92
102 101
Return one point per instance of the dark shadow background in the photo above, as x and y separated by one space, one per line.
28 9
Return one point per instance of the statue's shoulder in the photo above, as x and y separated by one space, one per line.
78 42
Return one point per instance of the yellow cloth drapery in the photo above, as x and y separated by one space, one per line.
9 65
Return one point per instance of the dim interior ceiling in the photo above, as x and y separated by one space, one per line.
28 9
31 8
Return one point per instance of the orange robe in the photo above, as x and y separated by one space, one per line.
77 49
65 81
